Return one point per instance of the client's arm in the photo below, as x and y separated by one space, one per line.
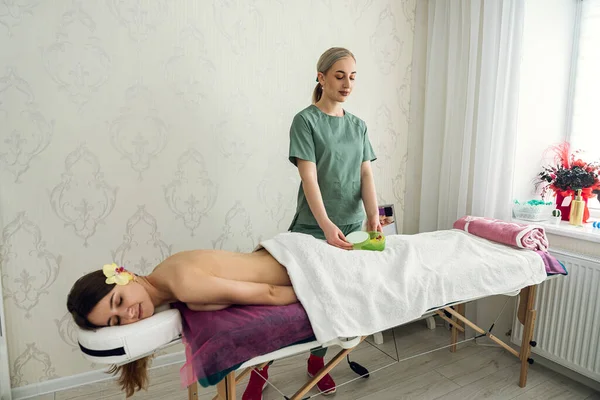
218 293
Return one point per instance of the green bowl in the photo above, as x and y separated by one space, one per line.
374 241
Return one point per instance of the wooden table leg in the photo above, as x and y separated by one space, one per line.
461 311
457 326
226 388
442 315
324 371
193 391
454 335
241 375
479 330
527 316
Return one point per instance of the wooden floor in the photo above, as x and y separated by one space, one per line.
473 372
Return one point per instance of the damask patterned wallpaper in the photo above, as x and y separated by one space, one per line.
131 130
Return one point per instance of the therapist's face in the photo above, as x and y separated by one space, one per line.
123 305
338 82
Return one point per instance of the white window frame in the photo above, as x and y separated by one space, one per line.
594 204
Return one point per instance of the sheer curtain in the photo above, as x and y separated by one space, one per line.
463 108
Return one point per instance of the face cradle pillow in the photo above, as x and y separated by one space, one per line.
125 343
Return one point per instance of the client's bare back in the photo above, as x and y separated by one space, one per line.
258 267
213 279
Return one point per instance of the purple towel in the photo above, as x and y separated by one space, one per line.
218 340
553 266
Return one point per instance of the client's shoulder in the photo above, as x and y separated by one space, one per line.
181 272
183 261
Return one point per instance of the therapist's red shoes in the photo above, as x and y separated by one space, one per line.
326 384
256 384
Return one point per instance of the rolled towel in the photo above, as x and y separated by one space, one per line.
531 237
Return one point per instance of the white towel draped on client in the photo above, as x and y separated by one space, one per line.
355 293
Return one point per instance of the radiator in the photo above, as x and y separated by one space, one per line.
567 328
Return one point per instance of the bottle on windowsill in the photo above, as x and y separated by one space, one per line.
577 209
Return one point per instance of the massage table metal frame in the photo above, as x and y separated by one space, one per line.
526 314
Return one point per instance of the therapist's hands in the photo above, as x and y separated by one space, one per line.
374 224
335 237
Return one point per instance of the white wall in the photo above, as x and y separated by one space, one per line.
133 130
545 74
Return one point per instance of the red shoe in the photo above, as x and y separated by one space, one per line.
326 385
256 384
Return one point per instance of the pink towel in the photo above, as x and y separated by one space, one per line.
531 237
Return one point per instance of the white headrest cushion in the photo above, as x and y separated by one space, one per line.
120 344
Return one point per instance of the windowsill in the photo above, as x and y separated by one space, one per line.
586 232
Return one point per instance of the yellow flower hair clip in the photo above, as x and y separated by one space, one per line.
116 274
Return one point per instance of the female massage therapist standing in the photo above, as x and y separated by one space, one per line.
333 154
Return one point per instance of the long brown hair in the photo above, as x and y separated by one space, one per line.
326 61
133 376
83 297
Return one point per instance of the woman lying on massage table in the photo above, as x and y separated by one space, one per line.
344 293
205 280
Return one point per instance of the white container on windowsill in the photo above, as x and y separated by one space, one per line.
533 213
555 220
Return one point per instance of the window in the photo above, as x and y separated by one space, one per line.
584 129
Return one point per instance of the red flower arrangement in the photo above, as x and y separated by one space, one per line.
569 174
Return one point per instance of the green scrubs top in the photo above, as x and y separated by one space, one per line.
338 146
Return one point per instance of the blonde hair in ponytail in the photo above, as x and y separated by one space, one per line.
133 376
326 61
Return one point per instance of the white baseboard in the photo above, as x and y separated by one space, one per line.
569 373
86 378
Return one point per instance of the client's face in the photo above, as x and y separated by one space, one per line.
123 305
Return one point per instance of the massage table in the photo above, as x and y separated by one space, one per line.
123 344
215 341
226 389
